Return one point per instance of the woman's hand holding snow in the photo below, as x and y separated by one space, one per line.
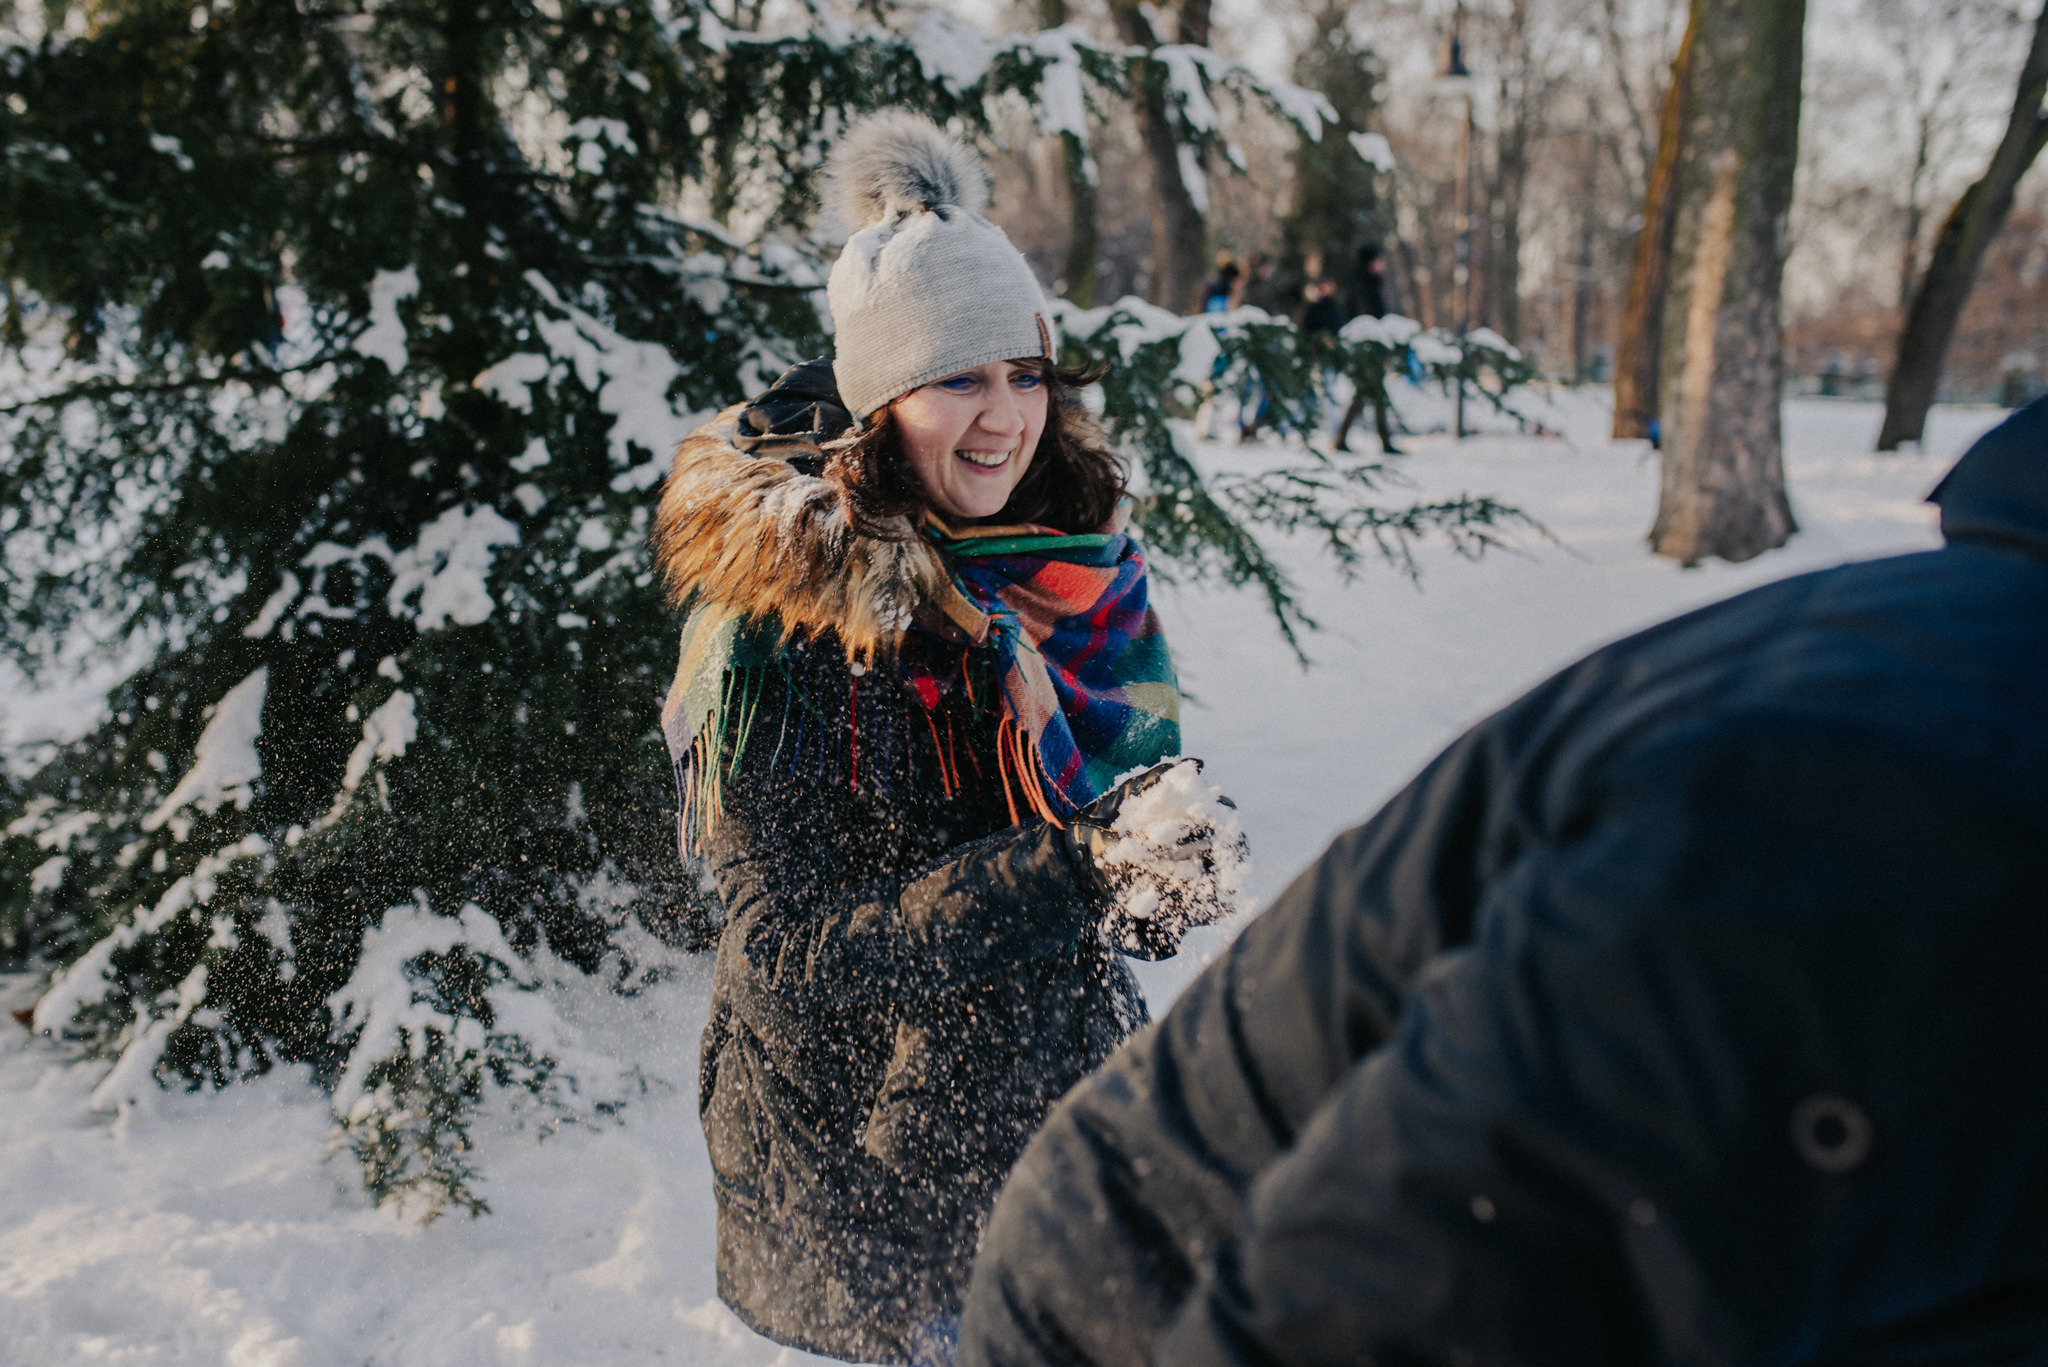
1161 852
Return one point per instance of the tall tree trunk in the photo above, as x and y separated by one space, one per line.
1639 352
1178 233
1958 252
1084 218
1084 238
1523 104
1417 302
1916 214
1723 372
469 148
1582 286
1513 173
1617 54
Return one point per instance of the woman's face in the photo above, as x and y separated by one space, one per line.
970 437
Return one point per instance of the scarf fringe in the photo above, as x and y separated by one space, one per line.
1017 755
878 749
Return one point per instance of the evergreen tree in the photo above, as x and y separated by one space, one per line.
1157 367
344 347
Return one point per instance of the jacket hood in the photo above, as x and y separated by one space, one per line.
748 523
1998 491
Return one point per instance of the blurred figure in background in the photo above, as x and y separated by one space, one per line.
1220 295
1259 288
1365 288
1321 320
1256 289
1325 313
1365 296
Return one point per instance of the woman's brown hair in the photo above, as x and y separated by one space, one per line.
1073 485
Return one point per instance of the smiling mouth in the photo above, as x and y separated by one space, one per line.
987 460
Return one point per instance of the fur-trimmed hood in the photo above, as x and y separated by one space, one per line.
747 522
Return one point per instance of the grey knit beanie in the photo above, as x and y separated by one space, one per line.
926 286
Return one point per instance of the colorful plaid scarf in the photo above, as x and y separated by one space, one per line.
1088 688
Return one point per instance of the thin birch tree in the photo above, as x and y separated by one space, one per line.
1958 253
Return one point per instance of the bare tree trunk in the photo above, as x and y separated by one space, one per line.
1178 233
1475 304
1084 239
1638 354
466 114
1513 172
1616 49
1582 286
1418 303
1723 367
1958 252
1084 221
1909 253
1523 91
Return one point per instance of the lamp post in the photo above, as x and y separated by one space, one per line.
1456 79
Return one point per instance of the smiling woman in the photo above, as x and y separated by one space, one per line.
900 464
918 670
970 437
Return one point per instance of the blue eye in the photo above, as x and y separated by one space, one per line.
1027 379
958 384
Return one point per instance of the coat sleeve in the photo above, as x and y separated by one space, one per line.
1638 1115
816 905
1140 1174
1443 1202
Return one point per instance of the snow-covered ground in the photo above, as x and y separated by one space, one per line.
213 1229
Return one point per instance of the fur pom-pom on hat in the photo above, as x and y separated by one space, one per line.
896 162
926 286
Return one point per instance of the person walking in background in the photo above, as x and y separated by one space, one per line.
1324 314
1365 296
1257 289
919 668
1321 320
1258 286
1365 287
1220 295
1691 1009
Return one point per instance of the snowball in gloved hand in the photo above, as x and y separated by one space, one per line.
1166 854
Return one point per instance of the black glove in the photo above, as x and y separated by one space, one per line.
1157 863
1089 832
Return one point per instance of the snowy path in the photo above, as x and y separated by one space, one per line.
211 1230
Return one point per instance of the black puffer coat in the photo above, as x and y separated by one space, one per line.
905 984
906 981
1692 1010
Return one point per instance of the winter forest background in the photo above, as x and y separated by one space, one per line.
344 345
